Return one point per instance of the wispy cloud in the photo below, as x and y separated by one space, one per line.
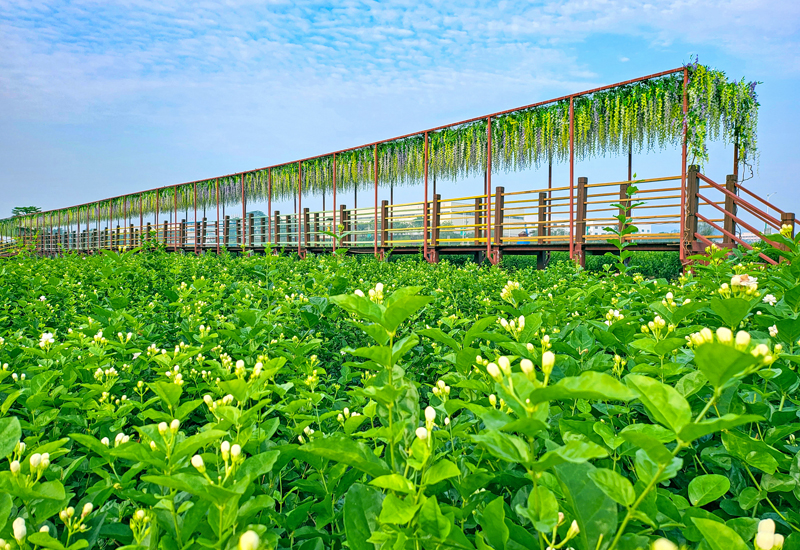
205 71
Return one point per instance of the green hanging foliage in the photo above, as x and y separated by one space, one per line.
637 117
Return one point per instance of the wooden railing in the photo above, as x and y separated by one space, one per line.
529 221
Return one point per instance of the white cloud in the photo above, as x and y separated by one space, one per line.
241 74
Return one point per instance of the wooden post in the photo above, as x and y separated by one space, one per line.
226 230
251 224
436 215
183 240
580 225
239 235
316 224
344 223
306 228
787 218
541 229
289 229
264 239
166 231
730 208
692 187
498 216
384 224
478 219
277 227
203 231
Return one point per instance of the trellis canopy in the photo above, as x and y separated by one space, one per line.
641 115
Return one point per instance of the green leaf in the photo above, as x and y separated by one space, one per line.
663 403
595 512
258 465
443 469
237 388
574 451
542 509
431 520
503 446
400 308
439 335
169 393
44 540
693 431
345 450
360 305
397 511
668 345
653 447
732 311
721 363
588 385
6 503
719 536
394 482
614 485
647 468
707 488
10 434
493 524
190 445
362 505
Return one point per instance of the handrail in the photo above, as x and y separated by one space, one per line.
775 208
734 237
739 200
738 220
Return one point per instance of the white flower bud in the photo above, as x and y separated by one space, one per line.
249 541
664 544
35 460
526 365
505 364
15 467
494 371
548 362
162 428
765 541
197 462
175 425
20 531
766 526
724 335
742 339
430 414
236 450
573 530
87 509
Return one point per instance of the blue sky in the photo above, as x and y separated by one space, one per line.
101 98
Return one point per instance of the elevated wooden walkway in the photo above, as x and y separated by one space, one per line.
532 222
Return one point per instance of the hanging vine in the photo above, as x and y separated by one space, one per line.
643 116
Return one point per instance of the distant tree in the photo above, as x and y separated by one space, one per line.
23 210
705 229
